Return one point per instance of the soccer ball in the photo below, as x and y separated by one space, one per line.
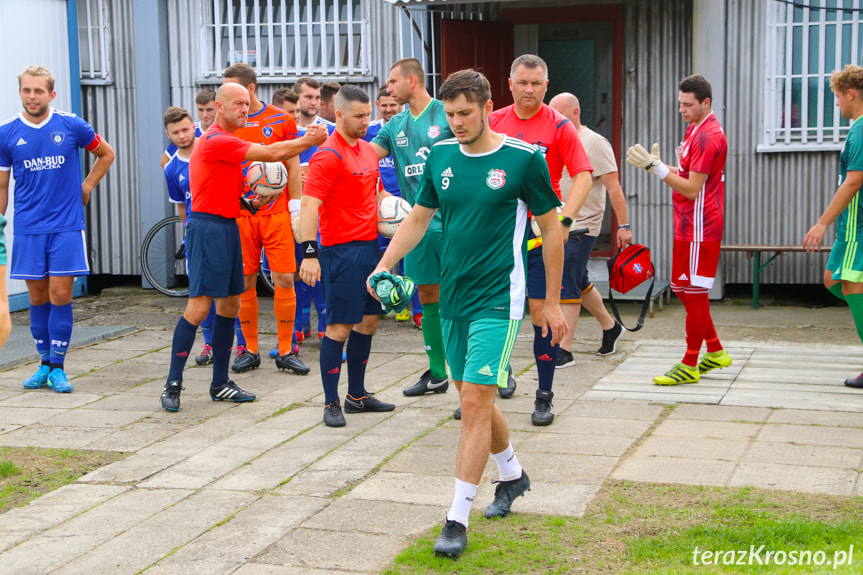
266 178
392 211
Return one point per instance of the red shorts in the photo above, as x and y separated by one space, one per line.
694 265
271 232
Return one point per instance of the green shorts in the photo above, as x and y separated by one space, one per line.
2 240
846 261
422 264
478 351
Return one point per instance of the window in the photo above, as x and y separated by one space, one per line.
806 41
286 38
93 41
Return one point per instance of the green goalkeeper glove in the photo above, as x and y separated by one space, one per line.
637 156
395 292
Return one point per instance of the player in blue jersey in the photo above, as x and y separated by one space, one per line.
5 320
206 104
40 148
182 134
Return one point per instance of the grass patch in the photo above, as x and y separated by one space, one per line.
651 529
28 472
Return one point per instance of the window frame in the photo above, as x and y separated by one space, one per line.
94 30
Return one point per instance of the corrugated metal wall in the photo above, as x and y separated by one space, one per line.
657 53
113 214
771 198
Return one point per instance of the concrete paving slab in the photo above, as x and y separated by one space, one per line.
721 413
429 461
608 445
699 429
793 400
812 435
666 397
47 398
795 478
60 437
566 424
675 470
565 468
19 347
88 417
324 483
567 499
154 538
202 468
315 548
809 417
807 455
406 488
693 448
264 569
249 532
133 469
618 410
352 515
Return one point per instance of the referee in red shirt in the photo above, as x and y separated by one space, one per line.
213 239
341 191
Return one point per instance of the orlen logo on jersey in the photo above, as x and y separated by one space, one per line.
414 170
45 163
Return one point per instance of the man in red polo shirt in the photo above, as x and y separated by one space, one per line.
212 236
529 120
341 192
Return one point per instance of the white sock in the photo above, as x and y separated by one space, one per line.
507 464
462 501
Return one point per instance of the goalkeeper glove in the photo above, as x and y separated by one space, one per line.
637 156
395 292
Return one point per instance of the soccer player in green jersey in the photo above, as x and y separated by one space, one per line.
844 273
408 137
481 185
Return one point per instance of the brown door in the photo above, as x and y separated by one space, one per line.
483 46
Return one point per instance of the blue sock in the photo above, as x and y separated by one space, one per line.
60 331
331 368
184 339
39 315
302 295
238 331
207 325
223 337
359 349
320 306
546 357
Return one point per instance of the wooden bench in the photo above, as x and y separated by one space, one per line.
754 252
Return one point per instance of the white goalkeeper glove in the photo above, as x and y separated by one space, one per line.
294 208
637 156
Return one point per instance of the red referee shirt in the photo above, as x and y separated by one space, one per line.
345 179
216 173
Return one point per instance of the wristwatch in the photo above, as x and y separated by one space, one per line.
566 221
624 227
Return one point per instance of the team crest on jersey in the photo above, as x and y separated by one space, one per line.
434 131
268 131
58 137
496 179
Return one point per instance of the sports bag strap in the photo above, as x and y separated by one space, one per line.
645 306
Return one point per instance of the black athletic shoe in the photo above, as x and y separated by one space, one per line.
452 540
457 414
171 395
543 410
609 339
292 362
366 403
206 356
855 381
505 493
427 384
245 360
564 359
506 392
333 416
230 391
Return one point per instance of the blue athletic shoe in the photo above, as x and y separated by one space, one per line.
38 379
58 381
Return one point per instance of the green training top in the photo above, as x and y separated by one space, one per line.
849 224
409 140
483 201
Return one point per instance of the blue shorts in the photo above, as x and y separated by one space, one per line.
576 253
344 270
536 274
215 256
59 254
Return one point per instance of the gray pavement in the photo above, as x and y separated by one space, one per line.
265 488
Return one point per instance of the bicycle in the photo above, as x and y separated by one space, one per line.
163 259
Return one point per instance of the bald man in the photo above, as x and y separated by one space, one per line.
605 177
212 236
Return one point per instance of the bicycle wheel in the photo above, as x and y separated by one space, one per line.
163 257
265 275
